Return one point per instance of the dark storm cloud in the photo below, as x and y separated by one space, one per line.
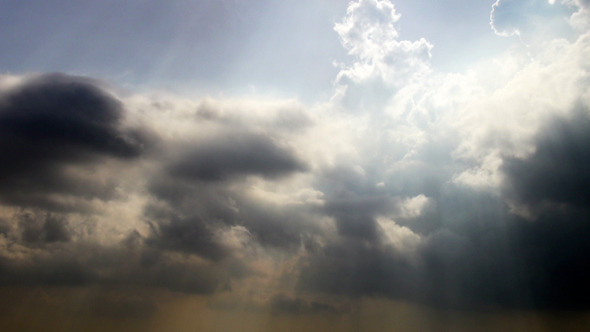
186 234
277 226
69 114
50 270
212 201
355 196
553 185
468 250
468 268
136 261
43 228
557 172
187 216
192 213
65 136
52 122
480 255
5 227
202 194
129 263
353 268
235 156
353 200
355 217
554 253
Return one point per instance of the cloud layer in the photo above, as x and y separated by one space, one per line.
455 190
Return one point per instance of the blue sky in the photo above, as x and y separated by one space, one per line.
352 166
283 48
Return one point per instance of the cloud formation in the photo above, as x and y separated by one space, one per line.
228 157
454 190
54 129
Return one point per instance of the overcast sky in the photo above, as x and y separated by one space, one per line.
224 165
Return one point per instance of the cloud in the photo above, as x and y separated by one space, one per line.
209 186
188 235
473 148
368 24
455 190
130 262
383 62
227 157
44 228
579 18
548 189
43 268
56 128
555 174
356 217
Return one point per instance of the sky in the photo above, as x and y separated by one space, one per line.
223 165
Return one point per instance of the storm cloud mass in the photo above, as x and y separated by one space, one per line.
49 126
455 191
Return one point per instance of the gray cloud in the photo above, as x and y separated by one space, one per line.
464 264
52 123
557 172
237 155
202 192
356 217
272 201
469 252
51 270
187 234
130 262
475 254
192 214
552 185
43 228
456 191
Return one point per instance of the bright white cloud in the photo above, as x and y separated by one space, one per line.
401 238
581 18
382 63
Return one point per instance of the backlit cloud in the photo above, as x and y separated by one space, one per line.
464 190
